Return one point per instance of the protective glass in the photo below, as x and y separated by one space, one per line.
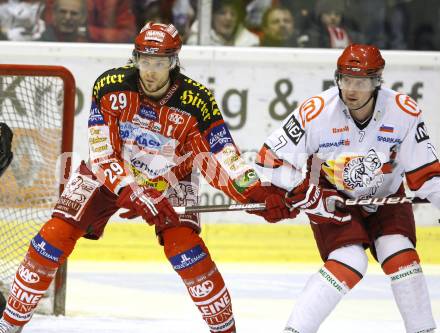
346 82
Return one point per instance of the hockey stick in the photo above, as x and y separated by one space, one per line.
219 208
384 201
261 206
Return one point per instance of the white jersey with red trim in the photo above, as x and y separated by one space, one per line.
361 163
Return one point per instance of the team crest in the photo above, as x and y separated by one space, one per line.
355 172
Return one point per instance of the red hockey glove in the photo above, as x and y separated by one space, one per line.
276 209
148 203
321 205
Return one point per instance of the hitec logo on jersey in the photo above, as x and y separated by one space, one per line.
45 249
293 130
147 112
421 132
188 258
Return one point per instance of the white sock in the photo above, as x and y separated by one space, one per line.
412 298
319 297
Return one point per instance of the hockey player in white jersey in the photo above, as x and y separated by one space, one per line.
361 139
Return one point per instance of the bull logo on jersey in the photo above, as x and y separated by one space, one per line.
355 172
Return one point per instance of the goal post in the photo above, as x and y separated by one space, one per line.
38 103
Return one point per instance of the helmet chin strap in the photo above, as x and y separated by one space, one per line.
373 94
368 100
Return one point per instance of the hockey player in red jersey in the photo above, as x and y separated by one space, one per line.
358 140
149 127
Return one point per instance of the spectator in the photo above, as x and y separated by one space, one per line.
227 25
278 28
329 29
69 19
21 21
110 21
369 17
397 24
158 11
183 16
255 10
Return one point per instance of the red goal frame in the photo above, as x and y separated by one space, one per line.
66 144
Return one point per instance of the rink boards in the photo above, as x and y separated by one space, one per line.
253 243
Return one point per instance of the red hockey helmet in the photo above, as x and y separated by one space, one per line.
361 60
158 39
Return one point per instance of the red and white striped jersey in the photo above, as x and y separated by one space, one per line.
159 142
361 163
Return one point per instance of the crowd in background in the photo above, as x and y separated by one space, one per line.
389 24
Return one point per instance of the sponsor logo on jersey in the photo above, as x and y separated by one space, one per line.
141 122
218 138
208 108
245 181
201 290
152 169
340 129
342 142
126 130
95 117
107 80
148 140
147 112
386 128
293 130
27 275
175 118
188 258
45 249
421 132
388 140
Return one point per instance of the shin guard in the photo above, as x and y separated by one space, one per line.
410 290
320 296
190 258
48 250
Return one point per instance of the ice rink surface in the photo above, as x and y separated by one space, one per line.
149 298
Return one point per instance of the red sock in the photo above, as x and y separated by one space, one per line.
48 250
191 260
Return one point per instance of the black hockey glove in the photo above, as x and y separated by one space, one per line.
5 147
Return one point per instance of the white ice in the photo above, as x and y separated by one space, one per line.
145 297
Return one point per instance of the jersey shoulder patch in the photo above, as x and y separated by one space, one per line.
116 79
406 104
199 101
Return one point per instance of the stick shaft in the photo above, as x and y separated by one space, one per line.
219 208
384 201
261 206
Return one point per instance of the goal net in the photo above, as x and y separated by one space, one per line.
37 102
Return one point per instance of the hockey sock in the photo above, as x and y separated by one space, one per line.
410 290
190 258
320 296
48 250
